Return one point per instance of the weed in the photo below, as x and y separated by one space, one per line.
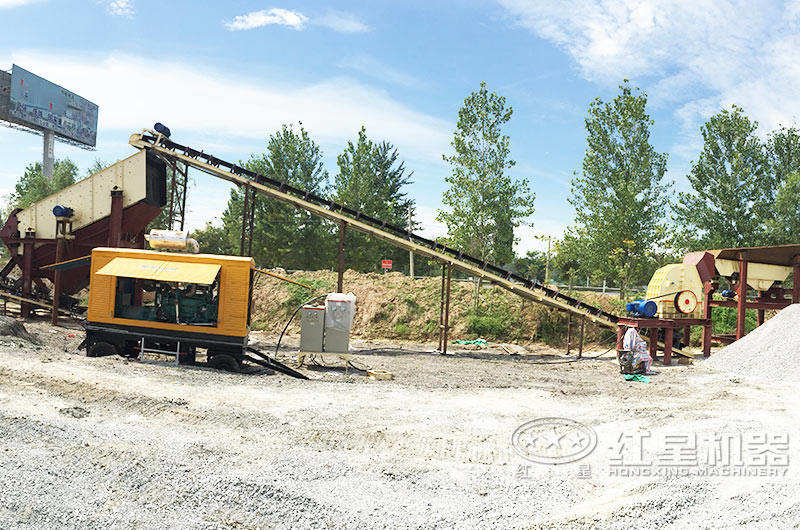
401 330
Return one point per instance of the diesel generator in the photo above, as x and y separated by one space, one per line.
144 301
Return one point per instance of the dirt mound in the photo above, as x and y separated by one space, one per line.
767 351
397 307
9 327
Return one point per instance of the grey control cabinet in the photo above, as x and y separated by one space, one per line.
312 328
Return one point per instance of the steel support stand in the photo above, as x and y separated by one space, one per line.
115 219
741 293
708 292
27 271
340 257
796 280
652 334
580 344
63 227
441 309
250 224
446 313
669 334
245 209
569 333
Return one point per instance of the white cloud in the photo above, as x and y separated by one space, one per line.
275 16
119 8
342 22
429 226
226 108
696 56
8 4
336 20
370 66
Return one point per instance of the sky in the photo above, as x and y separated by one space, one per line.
224 75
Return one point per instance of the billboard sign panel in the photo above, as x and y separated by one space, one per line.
5 95
40 104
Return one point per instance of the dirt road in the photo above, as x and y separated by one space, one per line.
106 442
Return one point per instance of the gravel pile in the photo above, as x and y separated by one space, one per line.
766 352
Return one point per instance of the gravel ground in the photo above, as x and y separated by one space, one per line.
767 352
93 443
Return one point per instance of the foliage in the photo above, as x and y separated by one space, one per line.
619 197
533 265
214 240
299 295
372 180
483 203
488 326
283 236
783 225
732 186
783 152
34 186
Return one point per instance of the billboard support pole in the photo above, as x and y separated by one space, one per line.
48 154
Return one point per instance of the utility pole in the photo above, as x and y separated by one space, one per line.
48 154
410 254
547 262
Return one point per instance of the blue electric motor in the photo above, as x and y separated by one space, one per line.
642 308
62 211
163 129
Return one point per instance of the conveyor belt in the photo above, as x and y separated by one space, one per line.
531 289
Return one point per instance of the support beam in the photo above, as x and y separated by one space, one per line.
446 312
569 332
669 334
340 257
245 212
115 219
441 308
796 280
410 252
741 292
580 344
652 334
61 229
27 271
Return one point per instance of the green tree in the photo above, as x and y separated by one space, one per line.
483 203
619 197
783 225
214 239
783 152
732 186
34 186
372 180
284 236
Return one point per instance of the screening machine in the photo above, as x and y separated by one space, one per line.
144 301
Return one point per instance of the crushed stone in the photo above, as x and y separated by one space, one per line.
767 352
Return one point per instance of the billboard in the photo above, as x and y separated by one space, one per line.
38 103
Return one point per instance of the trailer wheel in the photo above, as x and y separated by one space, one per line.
224 362
101 349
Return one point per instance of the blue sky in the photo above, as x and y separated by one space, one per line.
223 75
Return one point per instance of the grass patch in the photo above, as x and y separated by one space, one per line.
401 330
299 295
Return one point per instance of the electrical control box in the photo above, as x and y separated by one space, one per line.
312 328
339 311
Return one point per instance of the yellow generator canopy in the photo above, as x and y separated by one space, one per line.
165 271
